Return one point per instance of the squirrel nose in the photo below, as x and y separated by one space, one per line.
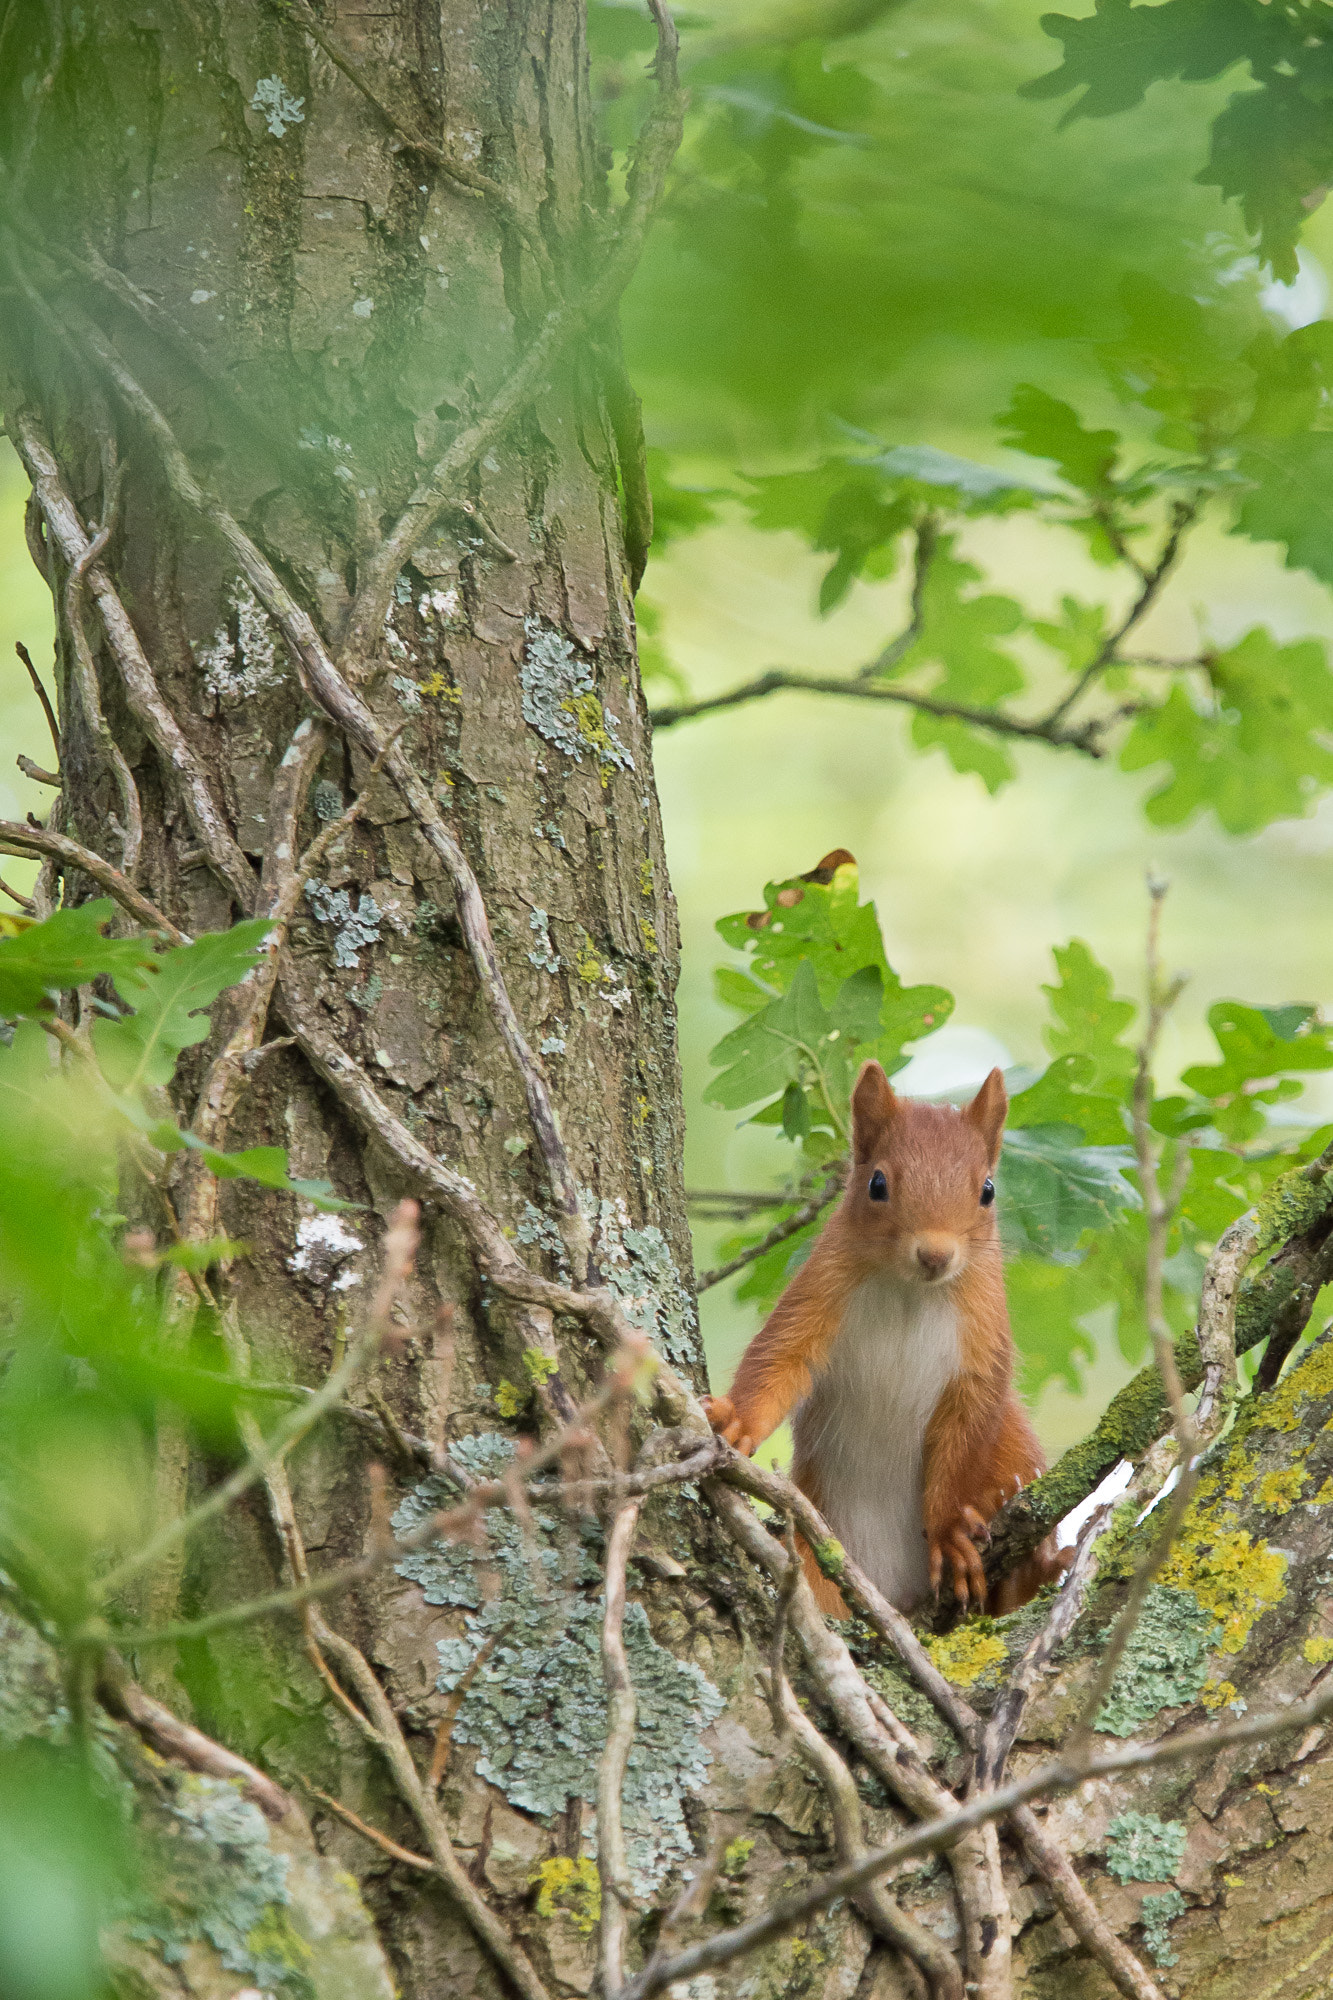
934 1255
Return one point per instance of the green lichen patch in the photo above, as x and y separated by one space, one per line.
1142 1848
1164 1664
638 1265
735 1857
221 1881
1156 1914
536 1707
831 1556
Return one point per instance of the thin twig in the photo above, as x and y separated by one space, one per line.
372 1833
939 1968
779 1233
42 696
621 1715
141 689
1006 1717
777 1676
17 836
38 773
1183 514
1086 737
90 697
25 903
174 1738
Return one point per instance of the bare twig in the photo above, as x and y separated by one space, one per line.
141 688
940 1969
1183 514
42 696
25 903
90 697
38 773
777 1676
1007 1715
789 1226
174 1738
621 1715
1086 737
16 836
372 1833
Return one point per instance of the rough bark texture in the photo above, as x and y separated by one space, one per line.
325 307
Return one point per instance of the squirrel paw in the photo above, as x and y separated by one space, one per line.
961 1543
721 1414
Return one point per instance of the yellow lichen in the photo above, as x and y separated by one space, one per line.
1308 1383
590 721
1279 1491
1217 1694
645 878
641 1110
437 685
735 1856
1232 1575
510 1399
570 1889
1234 1881
588 965
1318 1651
538 1366
1324 1495
965 1655
648 932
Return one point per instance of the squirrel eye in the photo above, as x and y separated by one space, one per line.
879 1187
987 1192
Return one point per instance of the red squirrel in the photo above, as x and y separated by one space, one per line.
893 1343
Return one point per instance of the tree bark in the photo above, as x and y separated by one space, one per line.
319 243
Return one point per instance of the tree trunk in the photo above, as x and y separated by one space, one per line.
318 292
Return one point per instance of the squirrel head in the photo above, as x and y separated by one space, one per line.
920 1196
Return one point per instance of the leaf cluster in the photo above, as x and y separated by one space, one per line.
818 997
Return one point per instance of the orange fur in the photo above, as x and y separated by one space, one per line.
928 1256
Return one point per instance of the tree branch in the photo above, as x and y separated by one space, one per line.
621 1715
141 688
18 838
1044 729
42 696
789 1226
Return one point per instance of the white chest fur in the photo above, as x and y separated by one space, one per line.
863 1425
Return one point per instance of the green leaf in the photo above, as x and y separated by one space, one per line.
66 949
961 484
1251 751
1290 499
736 989
140 1051
265 1164
1116 52
1071 1091
850 510
1253 1051
1044 427
1089 1019
764 1054
1051 1189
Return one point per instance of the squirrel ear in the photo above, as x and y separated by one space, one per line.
988 1110
873 1105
